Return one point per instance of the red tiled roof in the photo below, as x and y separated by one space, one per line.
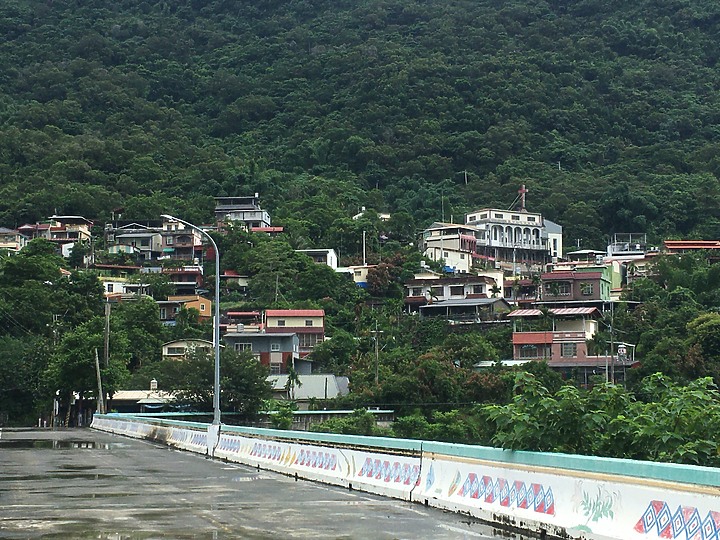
295 313
575 311
554 311
116 266
549 276
525 313
267 229
692 244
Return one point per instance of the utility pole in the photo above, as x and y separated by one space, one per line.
612 343
106 354
364 260
101 395
376 333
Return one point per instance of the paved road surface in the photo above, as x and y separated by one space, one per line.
86 484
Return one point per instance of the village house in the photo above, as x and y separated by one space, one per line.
12 240
171 307
454 244
358 273
429 287
311 388
119 279
277 350
468 310
518 241
180 242
560 336
245 211
144 243
187 280
241 321
589 285
321 256
308 324
178 349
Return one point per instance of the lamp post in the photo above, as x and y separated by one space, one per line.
216 318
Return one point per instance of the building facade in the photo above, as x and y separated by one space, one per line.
308 324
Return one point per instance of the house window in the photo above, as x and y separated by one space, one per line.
309 340
483 216
308 322
358 273
462 256
445 254
176 350
568 350
436 291
281 322
145 242
202 307
559 288
516 218
169 240
498 216
415 291
274 347
243 346
163 313
275 369
586 289
457 290
531 219
472 218
110 287
478 289
531 351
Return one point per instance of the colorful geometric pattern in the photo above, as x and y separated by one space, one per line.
267 451
317 460
401 473
199 439
518 494
229 444
685 522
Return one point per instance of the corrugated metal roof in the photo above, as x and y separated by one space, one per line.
574 311
692 244
554 311
525 313
295 313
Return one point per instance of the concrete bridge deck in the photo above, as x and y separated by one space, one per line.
83 484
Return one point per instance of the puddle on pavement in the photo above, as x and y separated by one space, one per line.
19 444
59 476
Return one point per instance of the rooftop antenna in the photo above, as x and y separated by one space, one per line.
442 204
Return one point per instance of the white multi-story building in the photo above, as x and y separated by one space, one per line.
242 209
515 241
452 243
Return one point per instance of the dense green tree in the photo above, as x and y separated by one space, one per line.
243 381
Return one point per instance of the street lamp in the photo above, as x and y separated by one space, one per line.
216 318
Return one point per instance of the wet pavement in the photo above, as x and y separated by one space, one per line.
82 484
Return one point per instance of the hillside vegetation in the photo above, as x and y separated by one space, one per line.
607 110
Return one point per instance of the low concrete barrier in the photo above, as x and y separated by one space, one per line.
554 495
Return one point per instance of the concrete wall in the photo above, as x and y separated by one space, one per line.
556 495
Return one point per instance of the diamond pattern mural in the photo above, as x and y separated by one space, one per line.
685 522
509 494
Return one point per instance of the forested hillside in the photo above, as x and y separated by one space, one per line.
607 110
